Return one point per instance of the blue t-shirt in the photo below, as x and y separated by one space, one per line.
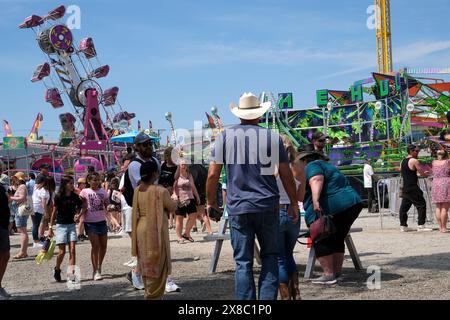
250 154
30 187
337 193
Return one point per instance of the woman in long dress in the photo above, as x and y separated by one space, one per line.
440 189
150 231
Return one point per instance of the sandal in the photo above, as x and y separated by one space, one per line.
20 256
188 238
181 241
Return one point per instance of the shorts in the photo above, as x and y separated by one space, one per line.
66 233
21 221
127 215
99 228
4 240
189 209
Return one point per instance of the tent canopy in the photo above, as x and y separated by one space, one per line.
129 137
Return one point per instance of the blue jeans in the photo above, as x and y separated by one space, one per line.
243 229
36 219
287 238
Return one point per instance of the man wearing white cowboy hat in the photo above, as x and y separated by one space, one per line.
252 197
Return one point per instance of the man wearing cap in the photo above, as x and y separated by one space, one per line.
250 154
130 180
412 194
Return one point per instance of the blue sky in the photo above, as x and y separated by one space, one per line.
186 56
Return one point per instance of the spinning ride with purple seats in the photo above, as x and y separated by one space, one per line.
76 79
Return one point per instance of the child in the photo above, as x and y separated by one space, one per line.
67 205
95 201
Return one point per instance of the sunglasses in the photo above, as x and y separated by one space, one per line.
321 140
146 144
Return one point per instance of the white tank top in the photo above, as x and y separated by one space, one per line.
284 199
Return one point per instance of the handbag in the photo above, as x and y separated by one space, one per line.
322 228
26 208
184 203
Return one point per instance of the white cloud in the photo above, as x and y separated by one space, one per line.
419 50
284 53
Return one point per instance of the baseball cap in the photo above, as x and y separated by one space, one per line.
141 138
319 135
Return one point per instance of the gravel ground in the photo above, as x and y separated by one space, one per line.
413 266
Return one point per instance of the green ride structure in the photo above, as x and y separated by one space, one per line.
375 118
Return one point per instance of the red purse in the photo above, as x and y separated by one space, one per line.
322 228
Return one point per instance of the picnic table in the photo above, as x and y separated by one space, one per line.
350 246
222 235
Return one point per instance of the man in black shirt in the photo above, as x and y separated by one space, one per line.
167 177
4 238
412 194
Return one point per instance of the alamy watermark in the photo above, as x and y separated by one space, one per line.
252 146
374 19
73 277
74 17
374 280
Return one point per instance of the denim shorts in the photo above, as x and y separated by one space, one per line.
4 240
98 228
66 233
21 221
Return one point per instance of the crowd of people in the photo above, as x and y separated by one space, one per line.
97 204
267 186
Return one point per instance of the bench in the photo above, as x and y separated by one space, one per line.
221 236
349 243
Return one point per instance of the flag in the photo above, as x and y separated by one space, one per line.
34 133
150 125
212 125
219 122
7 129
139 125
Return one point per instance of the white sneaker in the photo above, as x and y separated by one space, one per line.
131 261
98 276
423 228
405 229
133 264
136 279
37 245
172 287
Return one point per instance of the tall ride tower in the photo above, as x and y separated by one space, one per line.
384 38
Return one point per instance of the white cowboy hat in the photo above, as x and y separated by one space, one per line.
249 107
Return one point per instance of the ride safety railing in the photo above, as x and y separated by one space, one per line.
388 191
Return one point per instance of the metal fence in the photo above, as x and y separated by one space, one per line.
393 195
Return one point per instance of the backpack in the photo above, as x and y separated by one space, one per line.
127 190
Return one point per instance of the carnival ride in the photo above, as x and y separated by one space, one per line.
71 75
384 37
376 118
